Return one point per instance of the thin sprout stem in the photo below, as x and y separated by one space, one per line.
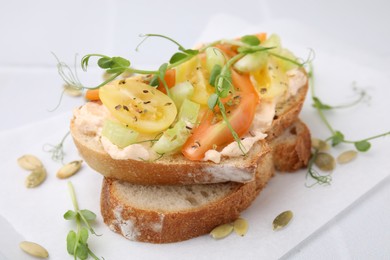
161 36
357 101
367 139
59 102
326 122
63 138
92 254
137 71
73 196
226 120
320 179
287 59
106 81
319 110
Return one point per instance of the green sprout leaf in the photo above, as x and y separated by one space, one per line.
362 146
70 214
337 138
82 251
76 243
177 57
83 235
71 242
318 104
191 52
162 70
105 63
87 214
154 81
250 40
120 62
215 72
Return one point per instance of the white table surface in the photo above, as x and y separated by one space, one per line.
30 86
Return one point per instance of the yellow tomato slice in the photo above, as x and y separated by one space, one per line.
271 81
186 69
138 105
195 72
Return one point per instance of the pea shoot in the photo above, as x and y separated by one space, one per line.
337 137
77 240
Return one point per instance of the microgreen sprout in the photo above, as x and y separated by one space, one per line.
57 151
77 240
321 179
337 137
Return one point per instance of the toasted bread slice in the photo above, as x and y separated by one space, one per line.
170 213
176 169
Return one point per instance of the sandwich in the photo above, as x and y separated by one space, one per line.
138 134
191 152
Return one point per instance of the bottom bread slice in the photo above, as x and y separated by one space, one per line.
171 213
292 149
163 214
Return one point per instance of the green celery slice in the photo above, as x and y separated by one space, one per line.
180 92
119 134
174 138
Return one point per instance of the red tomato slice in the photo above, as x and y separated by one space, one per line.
213 130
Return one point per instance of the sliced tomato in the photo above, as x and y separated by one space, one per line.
243 83
139 106
229 50
261 36
169 78
213 131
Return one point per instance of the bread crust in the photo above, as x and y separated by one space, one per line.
138 224
176 169
292 150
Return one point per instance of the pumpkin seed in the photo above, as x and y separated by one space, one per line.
319 144
240 226
282 220
325 162
221 231
69 169
72 91
36 178
34 249
29 162
346 156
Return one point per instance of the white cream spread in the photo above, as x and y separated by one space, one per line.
134 151
296 79
89 118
